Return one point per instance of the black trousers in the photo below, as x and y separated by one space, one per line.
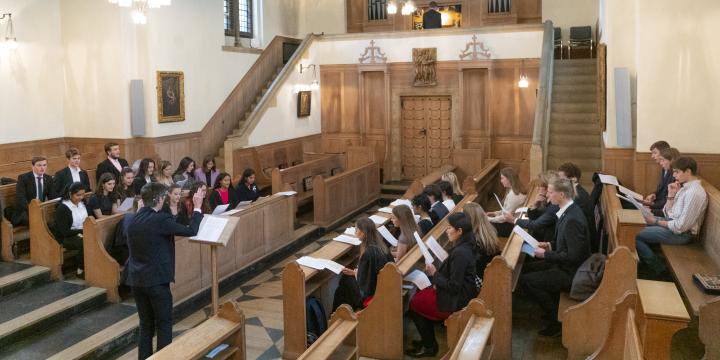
75 243
504 229
544 287
154 305
426 328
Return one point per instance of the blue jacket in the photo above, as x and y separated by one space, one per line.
151 244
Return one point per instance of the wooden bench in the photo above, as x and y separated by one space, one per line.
101 269
227 327
44 249
340 340
474 342
336 197
626 223
10 234
701 256
296 177
417 186
622 341
660 314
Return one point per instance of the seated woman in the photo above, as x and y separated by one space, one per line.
246 188
207 173
542 215
69 218
488 245
421 207
165 173
103 202
658 199
447 194
450 177
223 193
185 173
125 189
515 195
403 219
438 210
198 187
357 286
174 207
454 285
145 174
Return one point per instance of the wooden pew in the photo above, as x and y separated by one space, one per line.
336 197
475 342
44 249
340 340
10 234
227 327
101 269
293 177
626 223
417 186
619 278
622 338
358 156
701 256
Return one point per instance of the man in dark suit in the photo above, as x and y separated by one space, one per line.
32 185
113 164
438 210
71 174
432 19
151 263
541 217
563 257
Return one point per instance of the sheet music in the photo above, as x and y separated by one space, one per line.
210 229
388 236
645 211
399 202
286 193
521 210
608 179
350 231
528 249
629 192
386 210
127 204
527 238
311 262
500 203
437 249
332 266
347 239
423 249
418 278
378 220
220 209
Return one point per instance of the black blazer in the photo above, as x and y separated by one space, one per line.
26 189
438 212
541 222
151 245
63 224
247 194
106 166
572 241
139 182
63 179
662 191
455 279
432 19
369 266
216 200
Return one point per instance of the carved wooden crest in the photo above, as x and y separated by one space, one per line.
478 49
372 55
425 61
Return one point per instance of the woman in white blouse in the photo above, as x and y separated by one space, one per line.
515 196
69 218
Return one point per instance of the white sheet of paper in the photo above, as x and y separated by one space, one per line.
350 231
521 210
399 202
311 262
423 249
417 218
388 236
231 212
211 229
378 220
347 239
499 202
418 278
608 179
332 266
629 192
287 193
645 211
127 204
525 236
437 249
449 204
386 210
220 209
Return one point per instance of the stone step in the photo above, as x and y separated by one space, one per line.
574 96
575 79
575 128
582 88
587 108
585 140
23 302
574 62
573 118
23 326
575 70
16 277
572 151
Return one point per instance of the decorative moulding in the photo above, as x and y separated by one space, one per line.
474 50
373 55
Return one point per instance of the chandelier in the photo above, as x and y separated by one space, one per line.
140 7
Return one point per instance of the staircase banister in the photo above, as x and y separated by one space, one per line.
541 125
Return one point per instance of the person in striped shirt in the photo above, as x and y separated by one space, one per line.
684 213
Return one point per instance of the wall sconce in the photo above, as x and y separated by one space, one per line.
523 83
10 40
315 85
407 8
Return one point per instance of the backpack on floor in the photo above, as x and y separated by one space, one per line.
315 318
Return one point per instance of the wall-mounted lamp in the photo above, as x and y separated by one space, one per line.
523 83
140 8
407 8
315 85
10 40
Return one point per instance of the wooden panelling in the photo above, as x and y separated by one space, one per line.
475 96
515 152
529 11
467 162
374 101
339 94
619 162
336 197
647 171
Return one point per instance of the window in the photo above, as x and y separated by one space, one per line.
238 12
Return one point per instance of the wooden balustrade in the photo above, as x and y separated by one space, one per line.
336 197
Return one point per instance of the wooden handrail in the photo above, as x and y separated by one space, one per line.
541 126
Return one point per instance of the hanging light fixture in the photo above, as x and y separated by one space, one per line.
140 7
523 82
392 8
10 39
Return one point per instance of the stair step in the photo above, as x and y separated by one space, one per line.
20 327
16 277
574 108
574 96
573 151
575 70
96 333
583 88
573 118
575 79
574 139
575 62
575 128
27 301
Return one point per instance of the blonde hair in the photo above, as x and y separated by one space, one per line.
453 180
485 233
515 184
408 226
545 178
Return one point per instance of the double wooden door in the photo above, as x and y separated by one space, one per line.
426 135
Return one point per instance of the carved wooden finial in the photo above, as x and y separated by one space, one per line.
372 55
475 54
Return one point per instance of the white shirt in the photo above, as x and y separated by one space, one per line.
688 210
562 209
449 204
115 163
79 214
75 172
511 203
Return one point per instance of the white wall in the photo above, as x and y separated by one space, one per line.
31 77
567 13
318 16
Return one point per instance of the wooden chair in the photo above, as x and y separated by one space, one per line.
340 340
474 342
227 327
44 249
622 339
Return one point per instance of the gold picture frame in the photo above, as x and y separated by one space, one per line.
170 96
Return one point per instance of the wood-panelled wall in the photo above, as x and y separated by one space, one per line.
361 105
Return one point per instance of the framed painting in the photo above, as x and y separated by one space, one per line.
303 103
170 96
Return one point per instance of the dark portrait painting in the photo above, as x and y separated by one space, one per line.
171 96
303 106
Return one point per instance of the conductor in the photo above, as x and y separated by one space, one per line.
151 265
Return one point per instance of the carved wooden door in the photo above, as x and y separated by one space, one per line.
426 137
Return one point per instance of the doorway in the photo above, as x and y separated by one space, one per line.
426 135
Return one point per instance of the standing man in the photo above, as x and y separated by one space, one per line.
113 164
432 18
71 174
151 264
35 184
